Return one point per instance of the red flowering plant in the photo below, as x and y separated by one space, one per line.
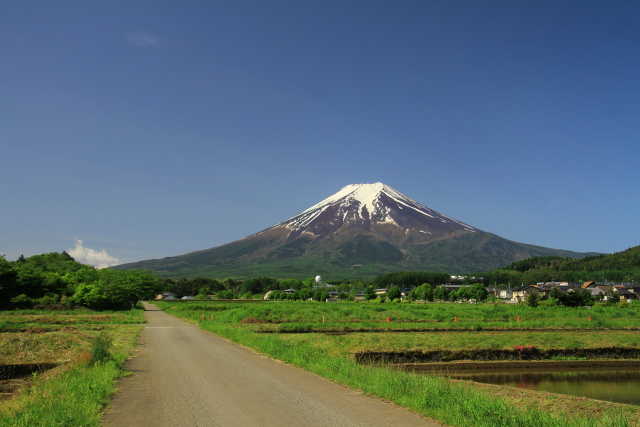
525 351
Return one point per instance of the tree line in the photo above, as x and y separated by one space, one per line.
56 280
618 267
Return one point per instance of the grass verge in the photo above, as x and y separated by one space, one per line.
91 354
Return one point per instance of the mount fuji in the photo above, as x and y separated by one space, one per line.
361 231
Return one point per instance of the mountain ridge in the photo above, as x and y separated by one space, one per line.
362 230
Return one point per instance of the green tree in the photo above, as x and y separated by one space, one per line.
320 295
369 293
440 293
8 280
115 289
305 294
423 292
294 296
277 295
227 294
410 279
533 299
577 298
394 293
258 285
612 297
478 292
230 283
290 284
555 293
464 294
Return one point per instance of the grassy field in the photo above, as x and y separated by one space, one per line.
324 339
88 349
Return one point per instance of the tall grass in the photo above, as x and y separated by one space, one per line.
74 397
101 348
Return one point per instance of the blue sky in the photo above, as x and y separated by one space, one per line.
147 129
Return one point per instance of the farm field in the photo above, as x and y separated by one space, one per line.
328 338
75 356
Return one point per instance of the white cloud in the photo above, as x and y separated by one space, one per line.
141 39
99 259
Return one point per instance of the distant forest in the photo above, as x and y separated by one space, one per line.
620 267
56 280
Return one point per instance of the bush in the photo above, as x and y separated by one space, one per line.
394 293
533 299
22 301
101 348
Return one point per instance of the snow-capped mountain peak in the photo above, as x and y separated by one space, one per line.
361 225
367 206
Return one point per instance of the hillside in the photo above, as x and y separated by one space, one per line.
625 260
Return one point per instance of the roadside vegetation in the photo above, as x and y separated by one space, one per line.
84 352
58 317
325 339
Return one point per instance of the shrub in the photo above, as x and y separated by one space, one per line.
533 299
22 301
101 348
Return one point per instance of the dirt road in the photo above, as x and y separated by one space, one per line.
183 376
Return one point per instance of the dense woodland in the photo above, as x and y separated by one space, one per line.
620 267
57 280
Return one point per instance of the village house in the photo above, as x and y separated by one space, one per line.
505 294
635 288
165 296
625 293
522 293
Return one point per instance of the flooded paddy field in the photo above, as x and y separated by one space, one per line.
614 381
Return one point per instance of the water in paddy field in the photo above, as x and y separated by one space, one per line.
621 386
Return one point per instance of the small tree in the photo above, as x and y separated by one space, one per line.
577 298
305 294
533 299
370 292
612 297
478 292
464 294
555 293
320 295
227 294
394 293
423 292
440 293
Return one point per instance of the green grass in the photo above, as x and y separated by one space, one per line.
360 317
452 402
91 348
74 397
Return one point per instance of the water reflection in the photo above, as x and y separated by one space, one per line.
617 386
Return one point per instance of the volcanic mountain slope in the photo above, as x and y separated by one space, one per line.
362 230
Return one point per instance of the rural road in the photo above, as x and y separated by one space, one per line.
183 376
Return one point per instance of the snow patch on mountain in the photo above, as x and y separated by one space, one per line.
363 202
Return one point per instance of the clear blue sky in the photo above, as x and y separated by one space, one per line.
149 129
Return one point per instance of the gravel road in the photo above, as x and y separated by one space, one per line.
183 376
